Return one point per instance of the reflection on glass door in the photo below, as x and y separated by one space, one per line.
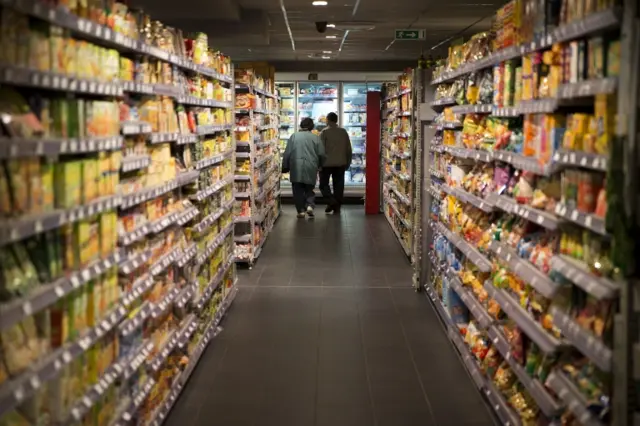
288 125
354 120
316 100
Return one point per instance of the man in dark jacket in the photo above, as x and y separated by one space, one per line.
337 147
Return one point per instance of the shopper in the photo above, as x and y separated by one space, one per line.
303 157
337 146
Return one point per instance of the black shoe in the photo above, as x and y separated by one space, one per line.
329 208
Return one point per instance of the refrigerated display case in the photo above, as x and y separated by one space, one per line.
288 119
316 100
354 120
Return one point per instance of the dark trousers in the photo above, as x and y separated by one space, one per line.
303 195
337 176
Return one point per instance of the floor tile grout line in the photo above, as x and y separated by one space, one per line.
413 360
319 339
366 367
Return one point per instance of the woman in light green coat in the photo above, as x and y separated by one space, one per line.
303 158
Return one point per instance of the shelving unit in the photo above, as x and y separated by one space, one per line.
118 230
487 240
258 169
398 159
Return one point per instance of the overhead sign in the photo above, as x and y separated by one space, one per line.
411 34
313 76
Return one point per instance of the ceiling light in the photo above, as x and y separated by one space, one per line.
331 25
326 57
319 3
326 51
331 36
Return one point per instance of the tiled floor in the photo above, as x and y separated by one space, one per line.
327 331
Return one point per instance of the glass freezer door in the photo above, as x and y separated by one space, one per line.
316 100
354 120
288 125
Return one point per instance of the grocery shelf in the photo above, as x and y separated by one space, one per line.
468 198
542 338
500 406
133 263
591 346
213 285
443 102
135 162
27 384
505 112
537 106
599 287
131 200
187 216
473 154
434 190
187 254
542 218
467 359
406 223
135 128
160 265
402 197
547 403
442 313
213 245
395 231
46 147
213 160
581 159
467 249
476 309
586 220
48 80
588 88
572 398
135 360
525 269
207 129
160 308
436 173
210 220
595 22
523 162
48 294
472 109
104 35
205 193
12 230
136 402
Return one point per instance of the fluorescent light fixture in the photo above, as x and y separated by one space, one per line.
331 36
326 51
319 3
326 57
331 25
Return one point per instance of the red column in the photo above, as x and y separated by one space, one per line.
372 171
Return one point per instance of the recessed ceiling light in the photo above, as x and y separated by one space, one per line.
326 57
331 25
326 51
331 36
319 3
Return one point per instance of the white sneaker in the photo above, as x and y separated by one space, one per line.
300 215
310 212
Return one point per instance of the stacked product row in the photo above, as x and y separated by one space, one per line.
398 154
526 251
116 178
257 176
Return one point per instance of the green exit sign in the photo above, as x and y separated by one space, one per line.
411 34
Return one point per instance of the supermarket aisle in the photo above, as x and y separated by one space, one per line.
326 331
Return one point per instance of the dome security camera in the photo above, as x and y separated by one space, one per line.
321 27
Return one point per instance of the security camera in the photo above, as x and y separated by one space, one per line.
321 27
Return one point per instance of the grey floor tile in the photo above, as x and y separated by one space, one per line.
327 331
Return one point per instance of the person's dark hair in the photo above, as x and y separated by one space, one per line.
332 117
307 124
